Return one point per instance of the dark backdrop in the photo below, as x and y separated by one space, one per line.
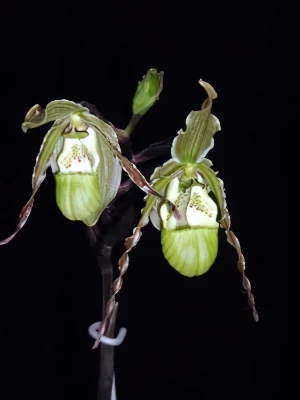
187 338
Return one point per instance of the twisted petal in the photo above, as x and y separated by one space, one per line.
39 172
130 242
136 176
106 131
192 145
54 111
241 264
217 187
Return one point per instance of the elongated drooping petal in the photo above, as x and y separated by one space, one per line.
39 173
106 131
241 265
192 145
136 176
217 187
55 111
130 242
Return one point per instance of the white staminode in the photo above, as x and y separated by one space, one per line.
200 210
79 155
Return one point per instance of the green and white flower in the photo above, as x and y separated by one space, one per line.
190 242
85 157
185 198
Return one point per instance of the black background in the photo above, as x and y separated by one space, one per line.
187 338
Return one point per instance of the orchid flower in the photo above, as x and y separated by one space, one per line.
85 157
190 242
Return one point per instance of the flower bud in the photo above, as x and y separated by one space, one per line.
148 90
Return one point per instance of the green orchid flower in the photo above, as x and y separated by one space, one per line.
190 241
85 157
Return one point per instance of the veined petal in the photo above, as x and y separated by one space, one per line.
54 111
136 176
109 182
192 145
215 185
39 173
102 127
223 192
123 262
106 131
166 169
46 150
208 163
159 186
155 218
109 169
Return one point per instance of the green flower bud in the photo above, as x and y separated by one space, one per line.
148 90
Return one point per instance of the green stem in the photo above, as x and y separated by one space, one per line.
135 119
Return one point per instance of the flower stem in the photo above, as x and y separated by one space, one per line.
106 369
135 119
